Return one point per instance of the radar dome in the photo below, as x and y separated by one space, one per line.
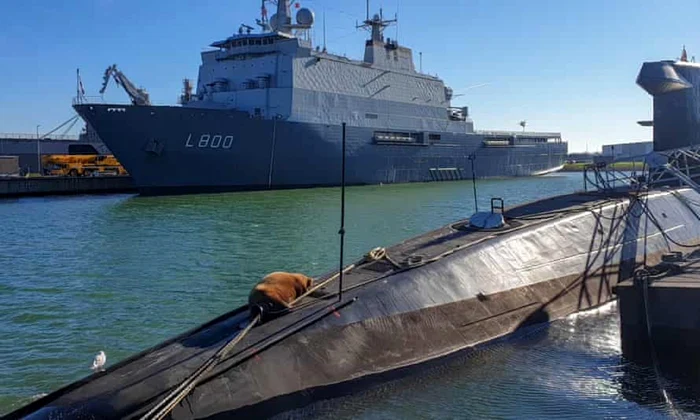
305 17
273 22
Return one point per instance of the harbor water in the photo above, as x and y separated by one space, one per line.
121 273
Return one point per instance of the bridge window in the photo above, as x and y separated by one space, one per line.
371 116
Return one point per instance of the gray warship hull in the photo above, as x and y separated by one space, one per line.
182 149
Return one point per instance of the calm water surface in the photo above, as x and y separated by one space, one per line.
122 273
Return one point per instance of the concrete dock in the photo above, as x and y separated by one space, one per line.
41 186
664 304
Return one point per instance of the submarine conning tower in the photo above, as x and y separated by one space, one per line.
675 86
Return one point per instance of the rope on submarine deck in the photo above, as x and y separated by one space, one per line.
376 254
166 405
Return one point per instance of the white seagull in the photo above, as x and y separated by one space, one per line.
99 362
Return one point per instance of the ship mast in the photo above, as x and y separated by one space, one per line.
282 20
376 50
263 21
376 25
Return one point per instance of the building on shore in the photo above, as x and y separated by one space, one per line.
632 152
581 157
28 147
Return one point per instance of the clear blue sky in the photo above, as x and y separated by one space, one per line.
562 65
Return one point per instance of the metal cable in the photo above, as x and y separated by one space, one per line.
375 254
643 278
655 221
167 404
72 119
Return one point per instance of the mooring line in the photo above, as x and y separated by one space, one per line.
167 404
643 277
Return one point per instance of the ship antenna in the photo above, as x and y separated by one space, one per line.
367 10
324 30
78 85
472 158
396 18
341 232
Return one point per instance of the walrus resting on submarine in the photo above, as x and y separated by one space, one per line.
423 299
276 293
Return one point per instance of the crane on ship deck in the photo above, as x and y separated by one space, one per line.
138 96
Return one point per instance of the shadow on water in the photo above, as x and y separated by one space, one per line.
539 320
668 391
571 368
434 386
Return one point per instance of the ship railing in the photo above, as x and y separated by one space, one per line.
28 136
604 176
77 100
675 167
546 134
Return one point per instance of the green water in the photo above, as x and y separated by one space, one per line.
122 273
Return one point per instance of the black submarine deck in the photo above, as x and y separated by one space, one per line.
146 377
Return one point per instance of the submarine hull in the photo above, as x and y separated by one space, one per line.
440 293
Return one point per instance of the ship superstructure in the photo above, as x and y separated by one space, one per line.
279 75
267 109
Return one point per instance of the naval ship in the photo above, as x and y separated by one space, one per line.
268 111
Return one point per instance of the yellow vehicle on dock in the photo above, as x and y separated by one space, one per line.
81 165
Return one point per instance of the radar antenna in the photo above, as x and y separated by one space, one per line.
282 20
324 31
247 28
376 24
